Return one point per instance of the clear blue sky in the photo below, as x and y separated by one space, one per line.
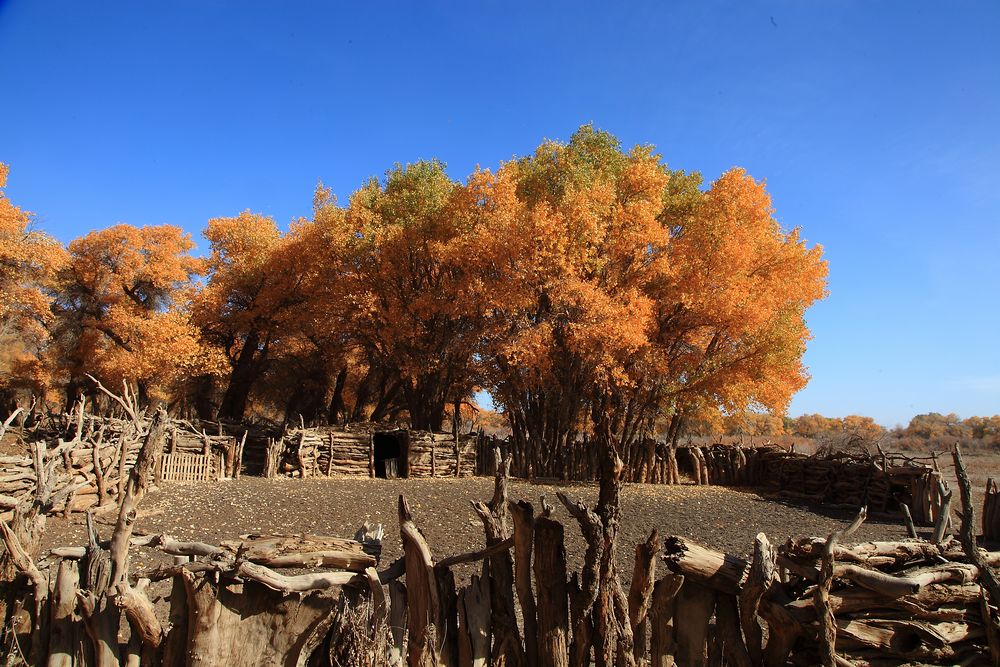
876 125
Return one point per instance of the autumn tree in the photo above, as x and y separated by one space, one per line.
622 295
121 305
406 283
29 261
256 278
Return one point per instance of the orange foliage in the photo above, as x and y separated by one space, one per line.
122 300
622 295
258 276
584 286
404 278
29 260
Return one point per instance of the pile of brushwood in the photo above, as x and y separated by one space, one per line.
810 601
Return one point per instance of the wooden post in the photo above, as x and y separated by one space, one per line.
662 642
550 583
421 591
474 620
397 620
641 591
523 515
694 604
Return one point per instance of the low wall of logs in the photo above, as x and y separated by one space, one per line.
350 451
892 483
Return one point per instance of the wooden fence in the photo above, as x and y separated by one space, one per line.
809 601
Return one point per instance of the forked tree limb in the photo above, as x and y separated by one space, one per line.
138 482
821 597
127 404
967 534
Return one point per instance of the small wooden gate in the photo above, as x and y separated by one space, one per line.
186 468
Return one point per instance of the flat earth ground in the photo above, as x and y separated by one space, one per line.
725 518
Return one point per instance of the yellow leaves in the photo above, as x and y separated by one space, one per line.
122 299
159 348
29 260
583 267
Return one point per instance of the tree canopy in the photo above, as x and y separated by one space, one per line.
586 286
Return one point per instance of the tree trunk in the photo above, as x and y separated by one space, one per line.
245 373
336 408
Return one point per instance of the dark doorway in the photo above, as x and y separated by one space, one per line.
387 455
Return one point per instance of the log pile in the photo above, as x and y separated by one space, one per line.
435 454
323 452
892 602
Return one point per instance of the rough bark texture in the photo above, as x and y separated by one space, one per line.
550 582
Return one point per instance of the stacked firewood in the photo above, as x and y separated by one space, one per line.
436 455
321 452
350 451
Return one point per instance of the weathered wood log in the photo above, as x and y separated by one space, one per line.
702 565
302 551
64 628
523 515
924 604
584 592
641 591
911 530
252 624
550 583
580 604
421 591
474 620
472 556
139 611
695 604
397 620
729 630
759 580
943 519
447 620
662 642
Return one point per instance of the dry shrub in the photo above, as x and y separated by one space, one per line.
356 638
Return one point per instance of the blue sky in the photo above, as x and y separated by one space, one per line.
876 125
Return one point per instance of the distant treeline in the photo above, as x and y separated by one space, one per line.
940 429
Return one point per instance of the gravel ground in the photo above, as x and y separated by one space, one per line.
724 518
